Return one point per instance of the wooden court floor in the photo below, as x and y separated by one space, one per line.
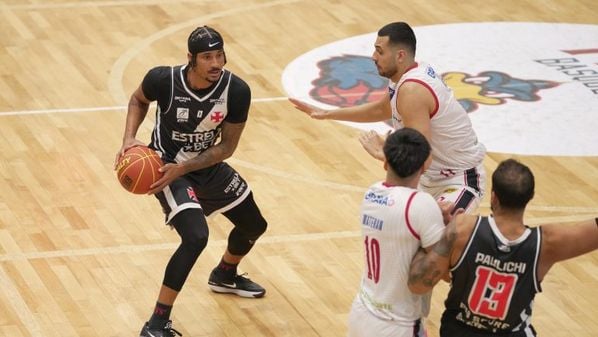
79 256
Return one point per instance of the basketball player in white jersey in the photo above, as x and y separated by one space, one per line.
419 99
396 220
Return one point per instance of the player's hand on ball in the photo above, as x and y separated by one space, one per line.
170 173
138 168
127 144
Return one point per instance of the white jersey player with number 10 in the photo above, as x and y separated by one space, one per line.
395 222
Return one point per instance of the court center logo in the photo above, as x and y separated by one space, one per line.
525 95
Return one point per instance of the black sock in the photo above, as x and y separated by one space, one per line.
160 316
226 269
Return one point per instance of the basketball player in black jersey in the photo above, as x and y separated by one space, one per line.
497 263
201 112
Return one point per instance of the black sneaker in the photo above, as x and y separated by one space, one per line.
166 331
239 285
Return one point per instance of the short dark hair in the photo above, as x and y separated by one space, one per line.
406 150
513 184
399 33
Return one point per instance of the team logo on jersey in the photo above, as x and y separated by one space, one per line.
236 185
430 72
379 199
182 99
182 115
216 116
517 101
191 194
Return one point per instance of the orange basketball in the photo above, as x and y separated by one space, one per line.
137 170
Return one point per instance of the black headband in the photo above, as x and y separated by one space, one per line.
204 39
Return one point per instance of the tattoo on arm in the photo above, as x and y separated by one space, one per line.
424 271
207 158
445 245
230 135
428 268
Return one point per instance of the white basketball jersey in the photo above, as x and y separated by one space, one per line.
454 142
395 222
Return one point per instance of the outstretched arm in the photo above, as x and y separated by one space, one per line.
369 112
561 242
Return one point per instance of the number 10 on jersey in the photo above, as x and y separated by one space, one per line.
372 256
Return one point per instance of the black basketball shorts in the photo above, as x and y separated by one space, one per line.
213 189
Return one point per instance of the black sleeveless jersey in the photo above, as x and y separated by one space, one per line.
494 283
189 121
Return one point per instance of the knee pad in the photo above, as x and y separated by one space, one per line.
253 228
239 243
244 235
249 226
247 218
192 228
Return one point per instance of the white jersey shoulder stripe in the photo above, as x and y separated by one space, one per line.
407 222
427 86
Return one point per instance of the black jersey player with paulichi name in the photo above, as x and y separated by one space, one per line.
497 263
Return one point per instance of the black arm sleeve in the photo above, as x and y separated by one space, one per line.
239 100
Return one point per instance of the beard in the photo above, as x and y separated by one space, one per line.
388 73
212 78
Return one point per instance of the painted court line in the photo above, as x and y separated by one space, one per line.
275 239
84 4
52 111
108 108
127 249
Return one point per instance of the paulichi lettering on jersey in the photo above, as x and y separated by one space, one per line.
508 267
